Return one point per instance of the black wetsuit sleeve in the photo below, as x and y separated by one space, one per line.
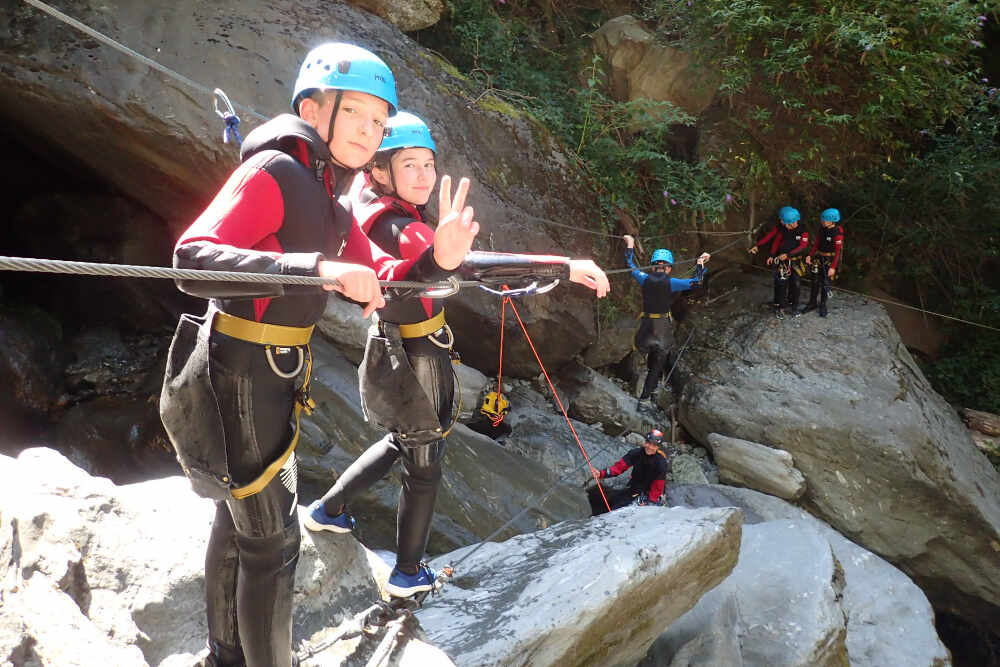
205 255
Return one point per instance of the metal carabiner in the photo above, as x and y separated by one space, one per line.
443 292
228 115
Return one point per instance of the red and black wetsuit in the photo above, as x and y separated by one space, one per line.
790 242
223 399
394 394
826 251
397 227
649 475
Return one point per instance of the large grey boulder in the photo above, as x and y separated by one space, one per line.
887 461
638 67
879 615
589 592
92 573
756 466
780 604
158 141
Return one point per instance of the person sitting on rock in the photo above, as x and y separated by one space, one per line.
649 477
828 245
655 335
787 243
407 382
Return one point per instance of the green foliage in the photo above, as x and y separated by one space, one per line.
624 144
508 49
931 227
873 106
823 90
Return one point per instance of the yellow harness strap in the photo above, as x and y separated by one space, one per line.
425 328
656 316
281 336
260 333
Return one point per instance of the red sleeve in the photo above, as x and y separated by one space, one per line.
415 238
359 249
619 467
803 244
838 246
774 230
247 210
656 490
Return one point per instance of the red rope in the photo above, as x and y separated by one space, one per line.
496 419
586 457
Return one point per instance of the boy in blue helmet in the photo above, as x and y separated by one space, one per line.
824 259
788 241
655 335
238 377
412 398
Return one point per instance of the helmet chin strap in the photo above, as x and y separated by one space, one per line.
333 118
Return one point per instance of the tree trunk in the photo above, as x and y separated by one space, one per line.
984 422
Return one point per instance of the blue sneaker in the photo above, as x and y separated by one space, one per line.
402 585
318 520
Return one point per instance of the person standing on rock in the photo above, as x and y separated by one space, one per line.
238 377
787 241
826 249
649 477
655 335
407 382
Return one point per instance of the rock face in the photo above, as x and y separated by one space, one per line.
406 15
637 67
593 398
887 462
802 594
591 592
483 486
157 140
97 574
780 602
756 466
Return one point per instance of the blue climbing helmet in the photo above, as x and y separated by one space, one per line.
405 130
340 66
789 215
662 255
830 215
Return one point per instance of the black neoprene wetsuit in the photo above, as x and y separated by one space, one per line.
227 411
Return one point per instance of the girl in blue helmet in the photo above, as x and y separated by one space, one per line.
788 241
413 399
655 335
238 377
826 250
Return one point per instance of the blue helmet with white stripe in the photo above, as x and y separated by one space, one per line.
830 215
406 130
340 66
